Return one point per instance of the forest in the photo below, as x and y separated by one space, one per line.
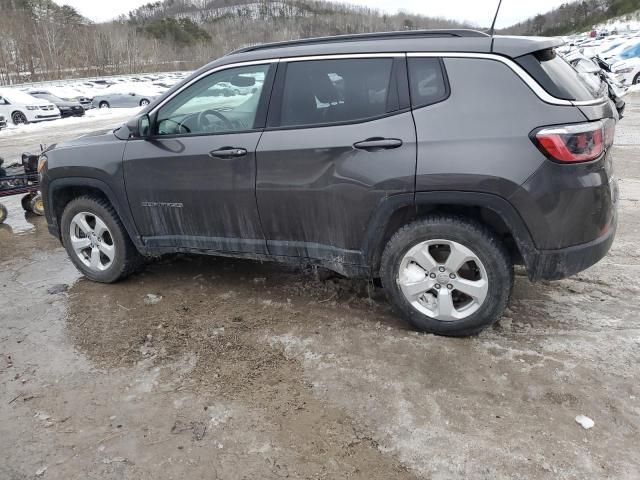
40 40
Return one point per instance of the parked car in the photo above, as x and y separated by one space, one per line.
68 94
432 160
627 71
629 49
3 122
106 99
23 108
67 108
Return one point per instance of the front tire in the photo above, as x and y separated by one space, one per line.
19 118
104 105
636 79
447 275
144 102
4 213
96 241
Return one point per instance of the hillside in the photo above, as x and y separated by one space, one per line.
42 41
575 17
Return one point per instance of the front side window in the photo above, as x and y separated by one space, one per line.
320 92
224 102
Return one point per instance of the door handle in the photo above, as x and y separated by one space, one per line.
228 152
375 144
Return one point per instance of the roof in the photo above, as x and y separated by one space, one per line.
465 41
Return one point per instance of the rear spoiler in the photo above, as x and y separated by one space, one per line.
514 47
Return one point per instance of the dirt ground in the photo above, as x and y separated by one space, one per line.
245 370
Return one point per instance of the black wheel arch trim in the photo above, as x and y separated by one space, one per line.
372 248
83 182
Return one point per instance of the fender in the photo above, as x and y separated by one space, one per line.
372 247
122 210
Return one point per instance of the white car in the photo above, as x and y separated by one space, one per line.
627 71
22 108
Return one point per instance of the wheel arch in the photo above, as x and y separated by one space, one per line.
61 191
491 210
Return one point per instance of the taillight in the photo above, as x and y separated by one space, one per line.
577 142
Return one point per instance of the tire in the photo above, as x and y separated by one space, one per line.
636 79
19 118
26 202
144 102
3 213
124 259
104 104
490 269
37 205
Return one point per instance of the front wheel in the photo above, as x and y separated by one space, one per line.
37 204
19 118
636 79
3 213
144 102
104 105
447 275
96 240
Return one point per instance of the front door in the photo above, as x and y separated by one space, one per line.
192 183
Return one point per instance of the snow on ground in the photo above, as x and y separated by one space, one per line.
91 116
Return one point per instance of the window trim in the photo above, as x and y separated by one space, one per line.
398 77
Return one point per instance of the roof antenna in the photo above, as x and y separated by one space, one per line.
493 25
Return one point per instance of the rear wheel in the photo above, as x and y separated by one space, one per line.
447 275
144 102
26 202
104 105
96 240
636 79
19 118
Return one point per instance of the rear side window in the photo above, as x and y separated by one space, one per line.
427 82
320 92
556 76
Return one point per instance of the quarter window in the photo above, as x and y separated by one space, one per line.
333 91
224 102
427 82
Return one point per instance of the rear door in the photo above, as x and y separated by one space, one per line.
192 184
340 140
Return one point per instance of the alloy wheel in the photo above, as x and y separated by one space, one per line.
443 279
92 241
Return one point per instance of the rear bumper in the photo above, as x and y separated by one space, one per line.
564 262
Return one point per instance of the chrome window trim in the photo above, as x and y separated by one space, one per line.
518 70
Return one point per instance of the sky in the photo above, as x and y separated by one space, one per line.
478 12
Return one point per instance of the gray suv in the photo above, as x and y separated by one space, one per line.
432 160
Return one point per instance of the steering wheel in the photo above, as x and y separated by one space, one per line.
179 124
202 116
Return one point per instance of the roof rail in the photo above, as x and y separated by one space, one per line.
436 33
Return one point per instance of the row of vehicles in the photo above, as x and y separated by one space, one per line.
618 55
50 102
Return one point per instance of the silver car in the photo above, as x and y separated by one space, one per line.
122 100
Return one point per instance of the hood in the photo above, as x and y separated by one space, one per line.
91 138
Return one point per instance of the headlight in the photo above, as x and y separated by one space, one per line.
624 70
32 107
42 163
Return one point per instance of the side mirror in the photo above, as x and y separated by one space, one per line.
139 127
144 126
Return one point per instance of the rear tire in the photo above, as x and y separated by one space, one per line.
636 79
442 309
144 102
26 202
101 249
104 105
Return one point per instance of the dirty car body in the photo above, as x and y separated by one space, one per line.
331 148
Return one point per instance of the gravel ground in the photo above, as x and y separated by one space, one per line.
236 369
